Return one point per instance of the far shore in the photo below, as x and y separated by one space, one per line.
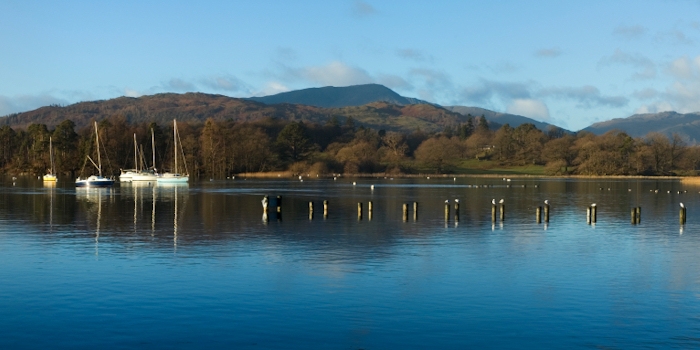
289 174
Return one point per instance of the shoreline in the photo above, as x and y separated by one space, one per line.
289 174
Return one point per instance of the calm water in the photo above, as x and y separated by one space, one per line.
199 266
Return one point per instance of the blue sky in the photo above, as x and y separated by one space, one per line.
570 63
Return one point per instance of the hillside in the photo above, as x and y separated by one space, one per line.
335 97
499 118
668 123
197 107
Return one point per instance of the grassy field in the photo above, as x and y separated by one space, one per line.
483 167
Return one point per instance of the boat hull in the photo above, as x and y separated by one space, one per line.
49 178
173 178
94 181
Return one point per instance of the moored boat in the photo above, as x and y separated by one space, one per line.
95 180
175 176
51 176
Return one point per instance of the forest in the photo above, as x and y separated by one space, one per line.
220 149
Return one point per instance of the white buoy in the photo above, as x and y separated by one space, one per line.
371 187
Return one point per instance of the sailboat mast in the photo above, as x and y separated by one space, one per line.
136 157
175 138
153 149
53 171
97 143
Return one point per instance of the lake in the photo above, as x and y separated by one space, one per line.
140 266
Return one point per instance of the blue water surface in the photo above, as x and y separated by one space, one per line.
200 266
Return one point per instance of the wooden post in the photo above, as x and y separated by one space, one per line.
279 204
639 214
538 214
546 213
447 211
682 216
359 210
594 214
265 202
588 215
311 210
493 213
405 212
633 216
503 212
369 210
325 209
415 211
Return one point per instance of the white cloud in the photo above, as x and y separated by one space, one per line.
654 108
585 96
394 82
178 85
548 53
336 74
362 9
272 88
487 92
646 69
226 83
630 32
646 94
529 108
413 54
674 37
685 68
24 103
131 93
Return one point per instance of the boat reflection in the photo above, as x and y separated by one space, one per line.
94 198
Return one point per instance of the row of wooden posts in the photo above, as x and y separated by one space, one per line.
498 211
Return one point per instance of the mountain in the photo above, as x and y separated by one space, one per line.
686 125
334 97
499 118
198 107
374 106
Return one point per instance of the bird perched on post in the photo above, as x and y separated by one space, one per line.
593 205
493 201
501 201
546 201
682 206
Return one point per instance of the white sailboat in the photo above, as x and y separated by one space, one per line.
95 180
127 174
175 176
51 176
140 174
147 174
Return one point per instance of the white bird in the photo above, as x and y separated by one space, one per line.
456 200
593 205
546 201
447 201
501 201
682 206
493 201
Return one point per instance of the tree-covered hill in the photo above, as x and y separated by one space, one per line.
197 107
